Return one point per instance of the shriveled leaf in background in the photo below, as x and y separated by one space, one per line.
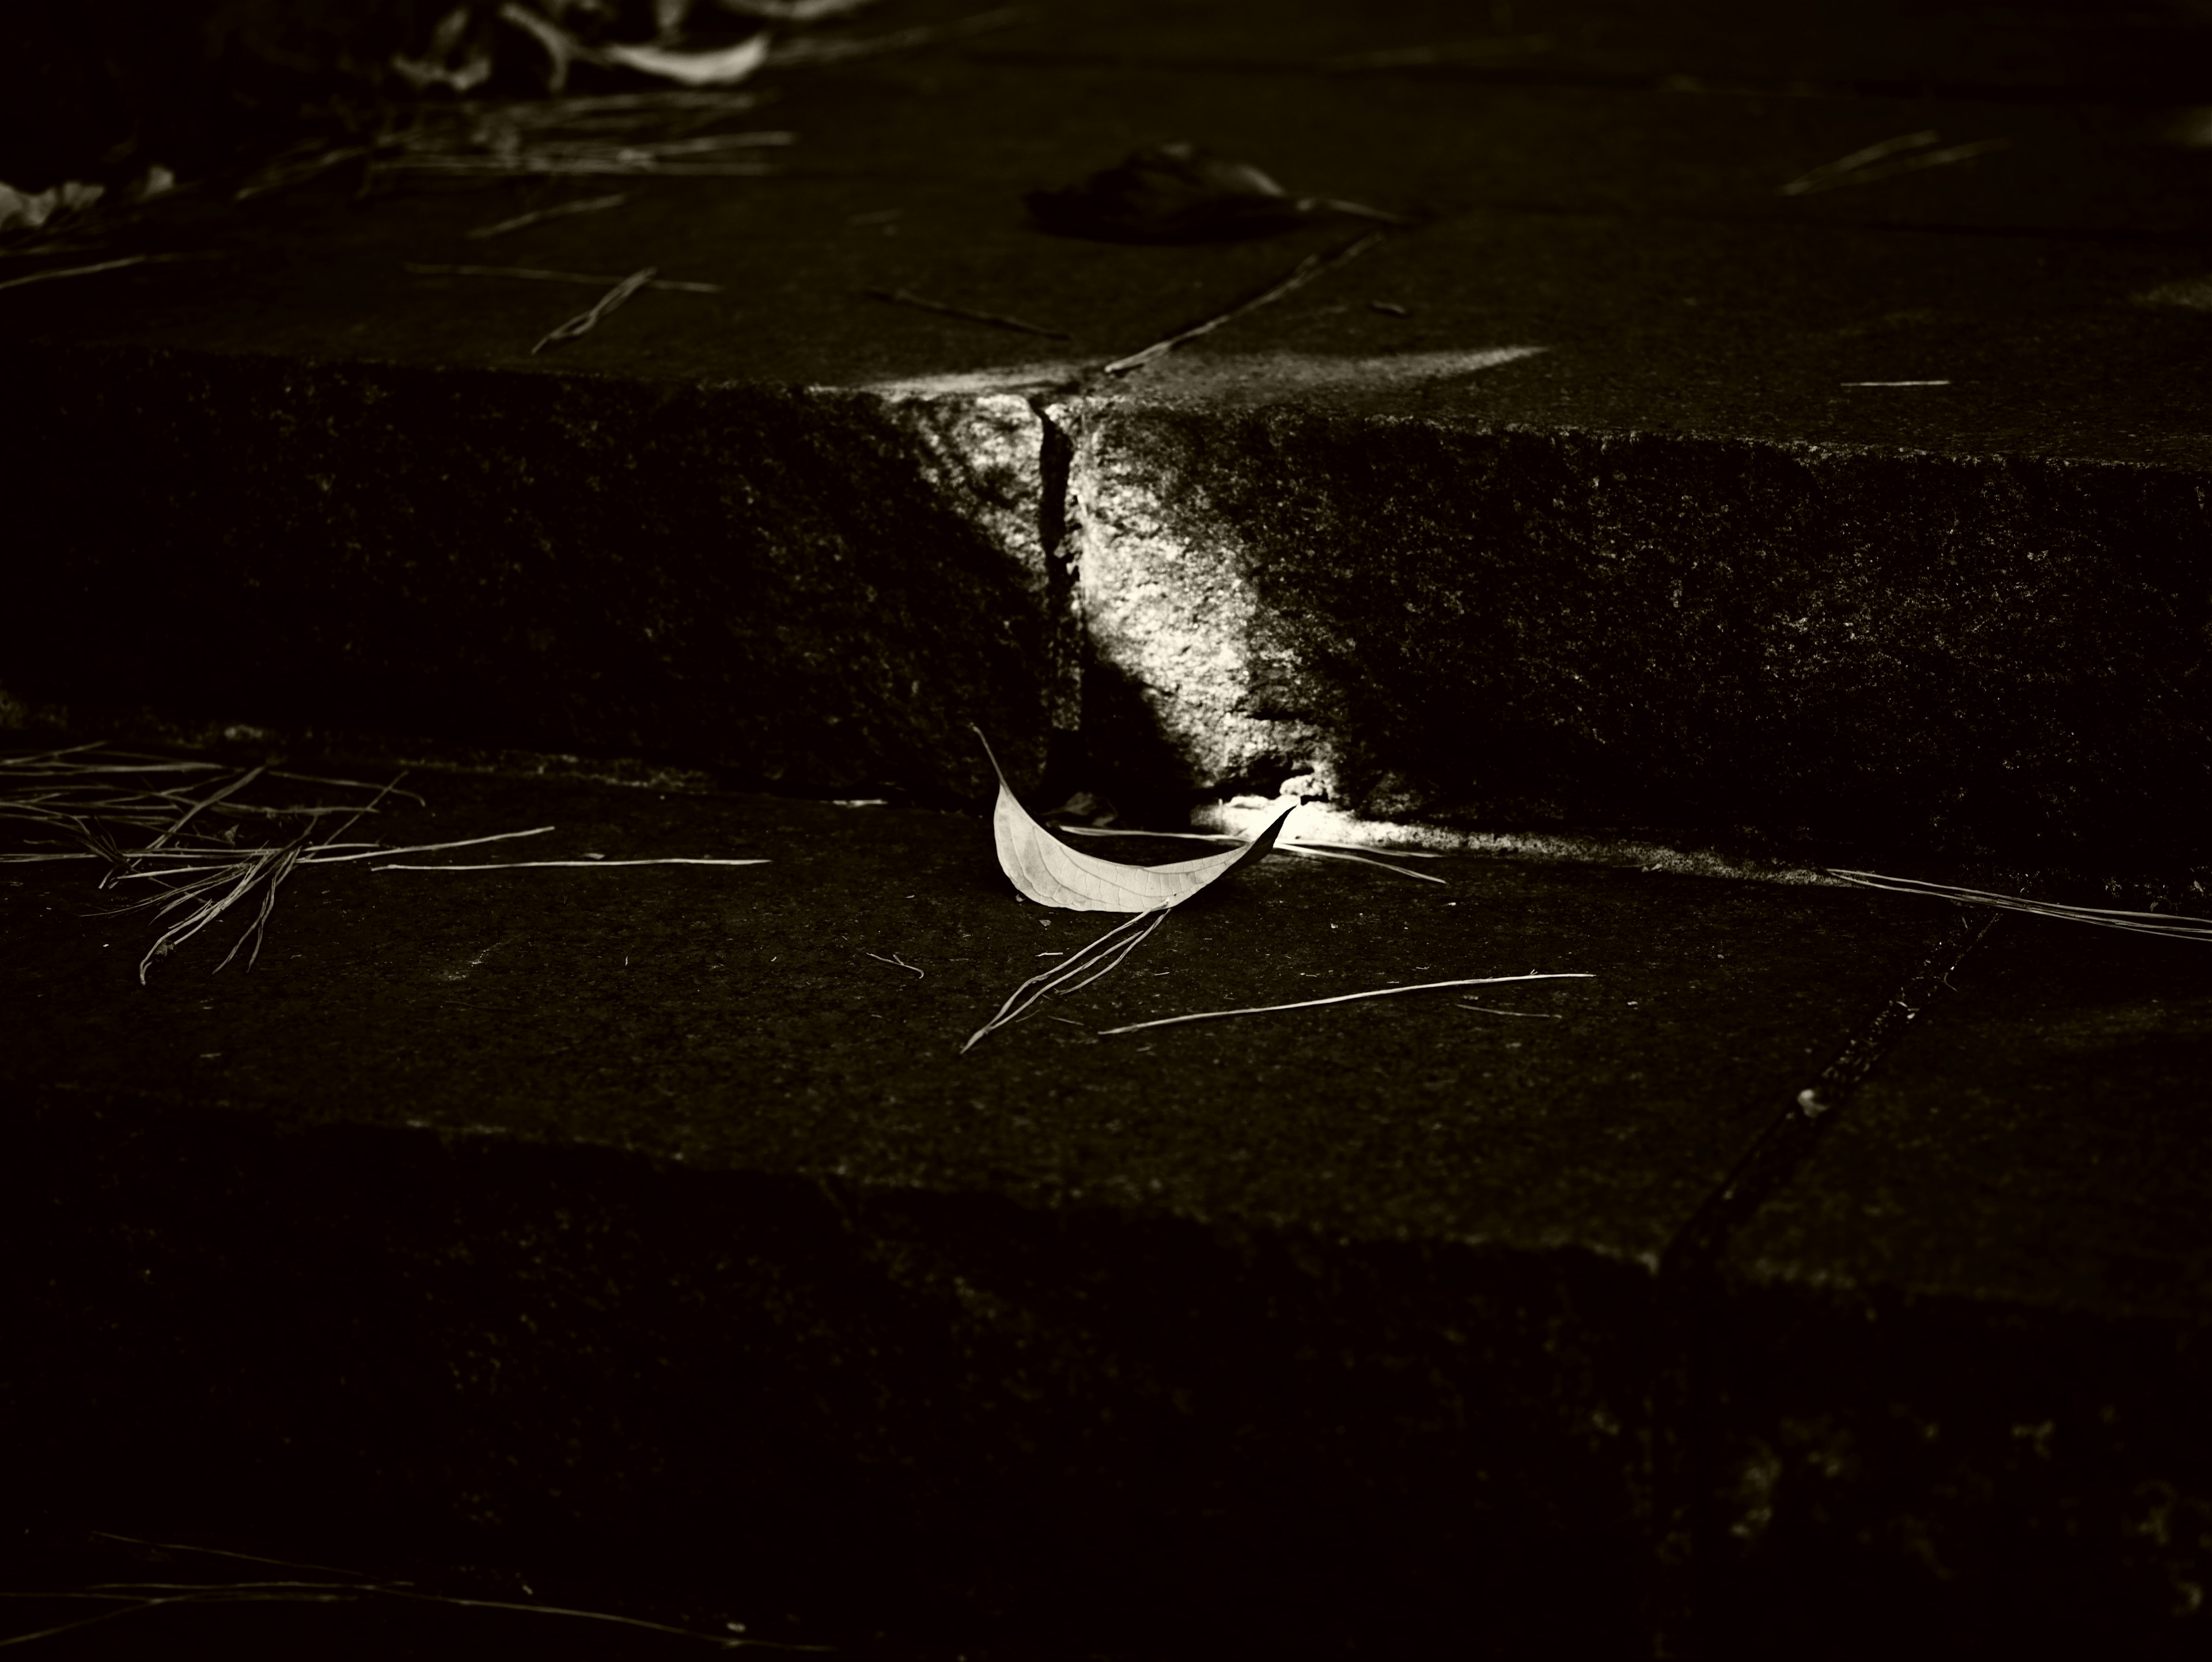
1180 192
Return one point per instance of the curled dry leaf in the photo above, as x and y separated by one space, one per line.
1046 870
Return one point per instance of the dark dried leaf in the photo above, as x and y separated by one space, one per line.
1182 193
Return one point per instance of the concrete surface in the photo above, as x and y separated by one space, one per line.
643 1228
641 1218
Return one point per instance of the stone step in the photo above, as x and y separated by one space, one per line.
646 1226
1627 492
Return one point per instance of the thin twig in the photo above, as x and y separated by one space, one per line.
1343 998
419 269
1305 271
894 958
1533 1015
907 297
584 322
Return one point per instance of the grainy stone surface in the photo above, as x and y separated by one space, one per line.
1956 1378
648 1218
819 591
1876 655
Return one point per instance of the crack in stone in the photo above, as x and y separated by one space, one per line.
1682 1455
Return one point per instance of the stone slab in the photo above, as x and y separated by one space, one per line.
649 1220
1693 568
1829 653
1957 1365
821 593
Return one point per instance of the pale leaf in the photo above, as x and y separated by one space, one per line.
693 68
793 11
1046 870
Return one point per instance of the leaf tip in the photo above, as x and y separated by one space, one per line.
993 755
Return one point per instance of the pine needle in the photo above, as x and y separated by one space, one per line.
1082 967
134 1597
88 800
582 865
1305 271
2164 923
584 322
597 204
1311 850
416 268
103 266
1343 998
373 853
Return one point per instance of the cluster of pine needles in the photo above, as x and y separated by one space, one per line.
656 132
189 831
